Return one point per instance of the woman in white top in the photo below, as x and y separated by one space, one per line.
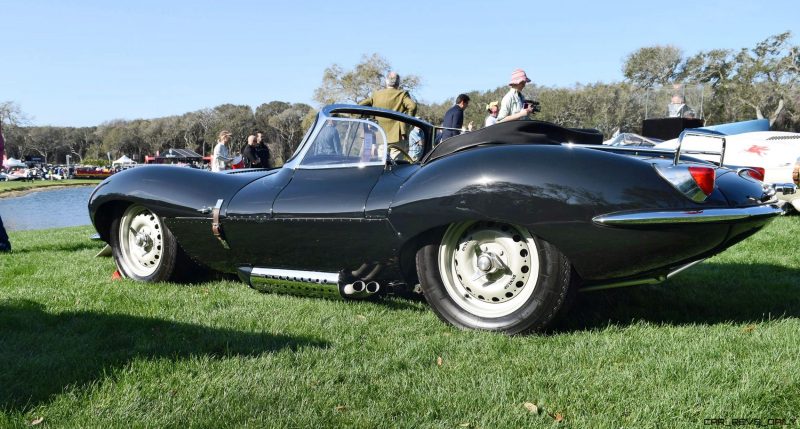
512 106
493 110
220 160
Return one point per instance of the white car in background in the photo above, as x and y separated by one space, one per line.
775 155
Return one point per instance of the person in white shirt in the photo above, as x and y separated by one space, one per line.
221 160
493 111
513 105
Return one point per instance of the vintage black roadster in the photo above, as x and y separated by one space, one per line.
497 228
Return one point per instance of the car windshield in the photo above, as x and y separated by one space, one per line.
630 139
303 141
346 142
680 100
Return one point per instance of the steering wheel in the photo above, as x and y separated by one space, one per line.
404 154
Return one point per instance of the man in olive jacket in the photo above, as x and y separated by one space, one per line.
393 98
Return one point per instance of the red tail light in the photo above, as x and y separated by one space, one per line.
755 172
704 177
696 182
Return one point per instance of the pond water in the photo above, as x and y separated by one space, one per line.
47 209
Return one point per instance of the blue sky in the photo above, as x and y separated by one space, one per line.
81 63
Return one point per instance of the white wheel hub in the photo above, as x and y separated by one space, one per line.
489 269
141 241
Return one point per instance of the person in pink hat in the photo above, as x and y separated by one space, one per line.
513 107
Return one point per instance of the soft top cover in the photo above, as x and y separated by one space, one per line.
516 132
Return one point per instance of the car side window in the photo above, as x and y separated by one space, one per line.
346 142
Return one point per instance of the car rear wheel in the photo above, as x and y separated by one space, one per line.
494 276
143 247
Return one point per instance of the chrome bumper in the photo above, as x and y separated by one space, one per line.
690 216
784 188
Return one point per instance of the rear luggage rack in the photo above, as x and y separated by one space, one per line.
699 133
675 154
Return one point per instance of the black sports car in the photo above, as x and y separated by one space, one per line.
496 228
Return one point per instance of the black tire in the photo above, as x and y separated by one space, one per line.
159 257
552 287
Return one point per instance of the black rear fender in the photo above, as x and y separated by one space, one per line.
554 191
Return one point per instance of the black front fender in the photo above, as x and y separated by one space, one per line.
170 192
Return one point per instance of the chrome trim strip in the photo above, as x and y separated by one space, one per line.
688 216
626 283
700 133
670 152
685 267
349 165
642 281
295 275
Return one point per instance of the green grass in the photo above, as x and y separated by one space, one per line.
80 350
19 185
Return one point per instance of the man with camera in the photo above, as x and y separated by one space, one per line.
513 106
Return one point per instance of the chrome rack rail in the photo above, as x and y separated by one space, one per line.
699 133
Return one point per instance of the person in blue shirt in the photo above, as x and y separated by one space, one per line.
328 142
416 144
454 118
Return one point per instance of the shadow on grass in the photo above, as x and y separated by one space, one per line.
42 353
65 247
709 293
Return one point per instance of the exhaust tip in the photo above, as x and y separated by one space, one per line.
358 286
373 287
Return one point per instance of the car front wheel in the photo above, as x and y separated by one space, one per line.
494 276
144 249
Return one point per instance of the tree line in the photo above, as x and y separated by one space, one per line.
281 122
757 82
762 82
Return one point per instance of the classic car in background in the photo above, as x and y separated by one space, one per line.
89 172
773 155
497 228
20 173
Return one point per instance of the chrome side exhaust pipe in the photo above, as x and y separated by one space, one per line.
306 283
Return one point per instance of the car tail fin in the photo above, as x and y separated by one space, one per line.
696 182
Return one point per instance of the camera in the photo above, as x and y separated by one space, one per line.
537 107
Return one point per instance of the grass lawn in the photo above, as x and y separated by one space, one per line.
19 185
720 341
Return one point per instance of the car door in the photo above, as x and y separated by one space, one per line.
318 218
